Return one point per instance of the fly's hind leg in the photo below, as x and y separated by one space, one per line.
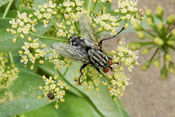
81 72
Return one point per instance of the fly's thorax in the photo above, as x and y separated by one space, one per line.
77 41
82 43
98 59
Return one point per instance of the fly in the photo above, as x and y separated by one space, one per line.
87 48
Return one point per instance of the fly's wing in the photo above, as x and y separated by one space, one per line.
72 52
87 30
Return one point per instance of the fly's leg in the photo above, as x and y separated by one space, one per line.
100 71
100 43
82 67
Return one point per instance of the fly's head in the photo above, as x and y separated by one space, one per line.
106 69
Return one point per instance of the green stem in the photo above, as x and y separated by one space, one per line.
53 23
62 77
154 54
146 43
11 58
44 37
94 7
7 9
109 54
83 96
89 5
172 47
48 52
149 33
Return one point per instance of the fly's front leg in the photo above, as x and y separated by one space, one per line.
100 43
82 67
100 71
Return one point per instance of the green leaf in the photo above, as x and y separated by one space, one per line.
73 106
2 2
100 101
22 95
6 37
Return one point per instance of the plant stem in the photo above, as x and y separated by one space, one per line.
94 7
149 33
89 5
62 77
11 58
154 54
44 37
53 23
48 52
172 47
7 9
109 54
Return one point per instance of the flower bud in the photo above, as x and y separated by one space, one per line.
158 41
149 21
171 19
145 51
141 35
56 106
173 32
168 57
126 25
164 73
160 26
146 65
134 45
171 68
170 42
137 26
156 63
159 12
148 12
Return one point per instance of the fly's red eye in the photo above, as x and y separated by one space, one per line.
110 62
106 70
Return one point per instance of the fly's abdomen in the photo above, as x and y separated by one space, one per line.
98 58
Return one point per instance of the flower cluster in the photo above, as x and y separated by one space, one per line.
117 83
107 22
162 39
59 61
25 24
71 11
28 3
54 89
128 10
22 25
125 56
8 73
45 12
90 78
31 51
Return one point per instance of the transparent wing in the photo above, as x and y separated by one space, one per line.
87 30
72 52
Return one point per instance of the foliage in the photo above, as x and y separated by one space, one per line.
29 29
162 40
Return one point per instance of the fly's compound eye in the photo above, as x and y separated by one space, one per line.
51 96
106 69
110 61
